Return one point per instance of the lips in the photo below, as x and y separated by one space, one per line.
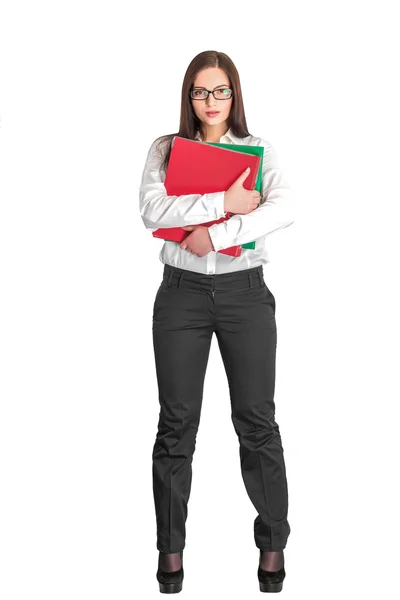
212 113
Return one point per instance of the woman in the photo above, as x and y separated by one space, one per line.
203 291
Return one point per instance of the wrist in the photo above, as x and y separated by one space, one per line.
226 202
210 238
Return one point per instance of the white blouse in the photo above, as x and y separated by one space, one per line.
159 210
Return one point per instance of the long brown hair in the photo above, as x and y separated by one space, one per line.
189 122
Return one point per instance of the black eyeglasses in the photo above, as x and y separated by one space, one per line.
221 94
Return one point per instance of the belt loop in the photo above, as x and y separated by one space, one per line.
260 276
179 279
250 282
170 277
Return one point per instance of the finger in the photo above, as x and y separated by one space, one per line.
244 175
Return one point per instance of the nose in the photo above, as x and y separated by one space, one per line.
210 101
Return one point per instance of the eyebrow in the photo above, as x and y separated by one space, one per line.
217 86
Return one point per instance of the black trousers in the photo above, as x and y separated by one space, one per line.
240 309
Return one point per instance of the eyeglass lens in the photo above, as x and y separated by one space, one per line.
221 94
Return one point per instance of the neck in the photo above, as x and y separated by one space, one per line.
213 133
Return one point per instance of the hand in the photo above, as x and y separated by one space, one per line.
239 200
199 242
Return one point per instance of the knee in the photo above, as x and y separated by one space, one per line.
256 426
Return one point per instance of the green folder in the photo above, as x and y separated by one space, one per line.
258 151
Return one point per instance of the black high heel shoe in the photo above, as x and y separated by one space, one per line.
170 582
270 581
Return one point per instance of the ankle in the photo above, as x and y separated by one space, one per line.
271 560
169 562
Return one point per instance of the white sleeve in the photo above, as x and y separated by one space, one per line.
275 212
159 210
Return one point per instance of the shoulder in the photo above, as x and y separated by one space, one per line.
156 145
254 140
156 152
161 143
260 141
270 160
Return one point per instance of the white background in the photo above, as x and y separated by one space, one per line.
79 273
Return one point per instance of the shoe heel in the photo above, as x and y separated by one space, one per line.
170 588
271 587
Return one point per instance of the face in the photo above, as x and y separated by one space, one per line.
211 79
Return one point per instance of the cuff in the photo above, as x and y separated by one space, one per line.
219 236
216 200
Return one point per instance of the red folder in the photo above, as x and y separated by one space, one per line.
199 168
